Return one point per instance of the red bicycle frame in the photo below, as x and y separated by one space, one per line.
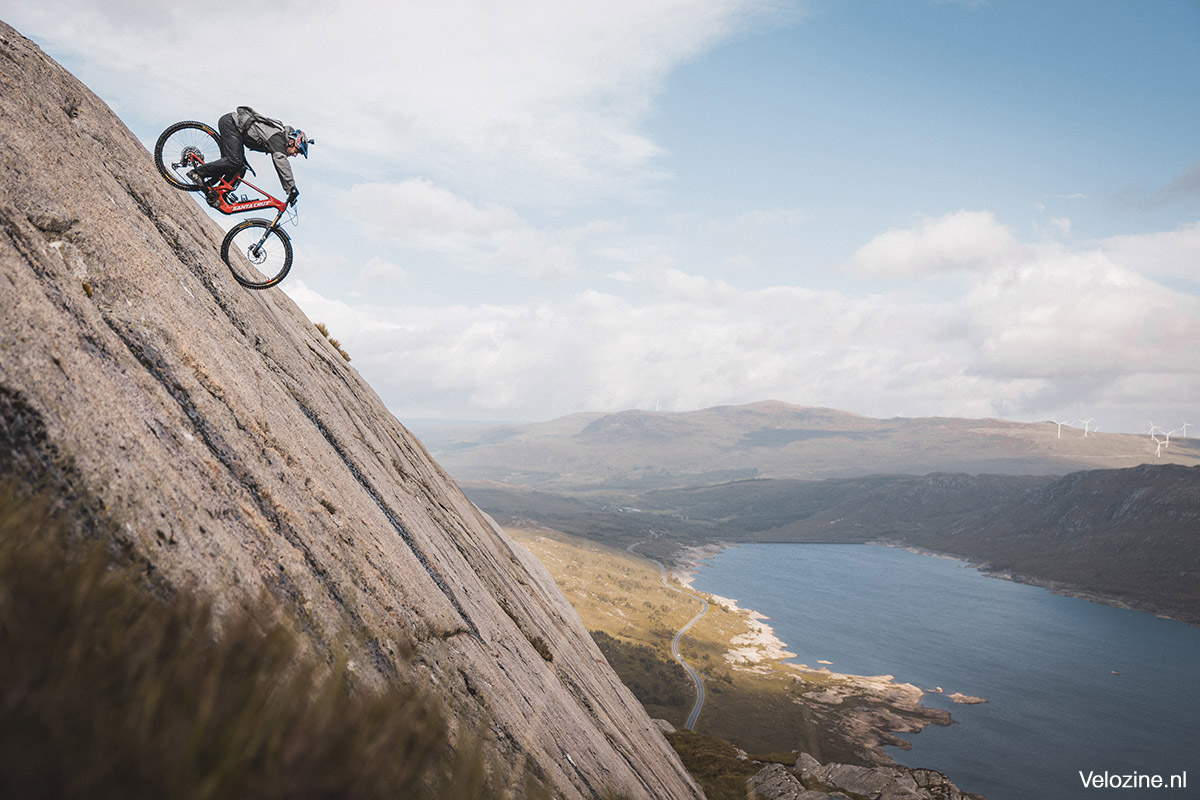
225 189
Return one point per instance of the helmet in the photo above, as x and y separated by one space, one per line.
300 141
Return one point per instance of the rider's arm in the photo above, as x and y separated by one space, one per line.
284 168
278 147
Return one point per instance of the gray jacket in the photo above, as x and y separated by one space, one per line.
267 135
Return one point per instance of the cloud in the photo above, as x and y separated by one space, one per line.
1065 315
1168 253
696 343
530 99
416 207
962 240
1031 337
485 137
415 213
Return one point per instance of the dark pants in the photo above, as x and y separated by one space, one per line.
233 154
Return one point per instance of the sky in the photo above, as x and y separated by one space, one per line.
516 210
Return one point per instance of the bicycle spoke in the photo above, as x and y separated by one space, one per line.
258 253
183 149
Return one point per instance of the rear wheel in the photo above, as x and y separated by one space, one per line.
258 254
182 147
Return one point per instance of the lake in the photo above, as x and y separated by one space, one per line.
1072 686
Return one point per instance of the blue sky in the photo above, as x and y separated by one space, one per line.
519 210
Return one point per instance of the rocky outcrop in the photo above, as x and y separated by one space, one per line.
224 445
811 780
870 711
966 699
776 782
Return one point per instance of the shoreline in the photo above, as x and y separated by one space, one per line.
693 555
870 710
685 562
1063 588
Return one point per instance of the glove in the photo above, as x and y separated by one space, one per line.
292 196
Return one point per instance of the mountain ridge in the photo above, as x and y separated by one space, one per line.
771 439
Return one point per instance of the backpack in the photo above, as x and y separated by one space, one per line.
248 118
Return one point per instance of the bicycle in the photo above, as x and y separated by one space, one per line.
258 252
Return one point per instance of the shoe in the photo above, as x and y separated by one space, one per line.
212 196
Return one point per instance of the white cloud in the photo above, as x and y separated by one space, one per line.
1169 254
417 214
1065 315
965 239
1031 338
697 343
463 126
528 98
416 207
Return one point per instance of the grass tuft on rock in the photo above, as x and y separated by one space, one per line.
109 692
324 331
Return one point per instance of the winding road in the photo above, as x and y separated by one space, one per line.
696 679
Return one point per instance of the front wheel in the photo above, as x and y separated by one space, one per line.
182 147
258 254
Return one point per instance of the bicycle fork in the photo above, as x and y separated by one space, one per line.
255 250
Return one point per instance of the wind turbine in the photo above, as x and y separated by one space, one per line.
1086 423
1185 430
1159 442
1167 434
1060 424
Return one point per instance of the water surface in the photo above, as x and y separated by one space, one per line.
1072 685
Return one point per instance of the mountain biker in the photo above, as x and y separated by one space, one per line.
247 128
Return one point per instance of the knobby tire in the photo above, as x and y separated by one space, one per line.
254 265
179 147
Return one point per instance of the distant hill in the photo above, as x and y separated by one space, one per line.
1128 536
1125 536
641 450
1108 515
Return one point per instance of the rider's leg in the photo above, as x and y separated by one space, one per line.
233 152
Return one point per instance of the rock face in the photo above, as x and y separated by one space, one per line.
232 449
